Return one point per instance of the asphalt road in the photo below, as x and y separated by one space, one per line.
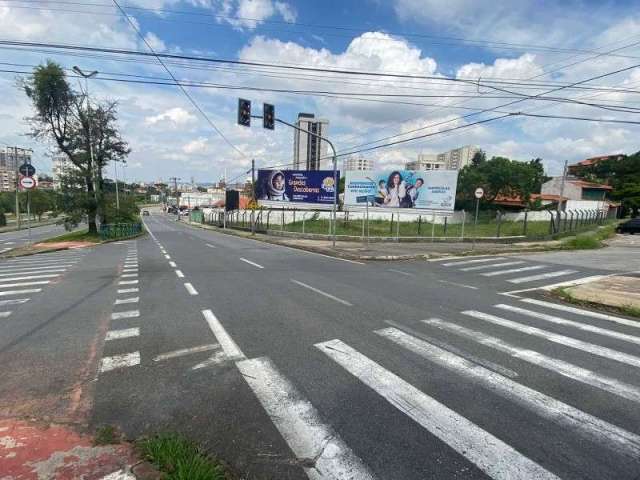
293 365
19 238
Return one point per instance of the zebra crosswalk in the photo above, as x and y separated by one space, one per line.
21 277
533 335
512 270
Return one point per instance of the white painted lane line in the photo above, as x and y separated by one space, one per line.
29 277
215 359
126 314
172 264
168 257
123 333
210 246
20 292
186 351
122 301
129 270
15 301
132 264
584 313
25 284
400 272
553 286
179 274
488 453
513 270
328 295
468 262
190 289
570 323
561 367
542 276
463 285
490 265
568 417
128 290
129 275
49 263
12 271
251 263
556 338
4 314
300 424
128 282
229 347
119 361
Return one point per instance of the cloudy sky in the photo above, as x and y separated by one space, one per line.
509 49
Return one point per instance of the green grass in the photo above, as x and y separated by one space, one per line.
565 295
590 240
79 236
106 435
180 459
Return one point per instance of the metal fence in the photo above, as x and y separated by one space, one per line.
461 226
110 231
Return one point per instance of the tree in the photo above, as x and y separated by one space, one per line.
41 202
77 129
479 158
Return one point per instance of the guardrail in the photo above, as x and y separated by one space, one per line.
110 231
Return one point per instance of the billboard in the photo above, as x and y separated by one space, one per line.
296 186
429 190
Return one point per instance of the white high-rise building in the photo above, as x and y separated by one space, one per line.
10 160
309 149
426 161
358 163
61 166
458 158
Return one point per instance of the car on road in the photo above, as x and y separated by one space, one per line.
145 212
630 226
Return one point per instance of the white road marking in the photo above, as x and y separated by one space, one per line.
29 277
13 271
179 274
127 314
119 361
168 257
328 295
468 262
172 264
190 289
122 301
488 453
15 301
561 367
210 246
229 347
513 270
25 284
491 265
400 272
4 314
458 284
123 333
584 313
542 276
129 275
128 282
128 290
186 351
556 338
570 323
41 263
131 265
215 359
553 286
129 270
300 424
19 292
251 263
588 426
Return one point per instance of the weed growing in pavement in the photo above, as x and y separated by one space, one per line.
106 435
180 459
565 295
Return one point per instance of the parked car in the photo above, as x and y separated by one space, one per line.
630 226
145 213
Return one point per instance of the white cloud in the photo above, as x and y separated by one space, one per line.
250 13
286 11
174 116
523 67
197 146
155 42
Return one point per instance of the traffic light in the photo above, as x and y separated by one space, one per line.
268 116
244 112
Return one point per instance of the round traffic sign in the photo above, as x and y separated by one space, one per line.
27 170
479 192
27 182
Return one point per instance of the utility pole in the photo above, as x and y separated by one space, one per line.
253 196
15 157
564 178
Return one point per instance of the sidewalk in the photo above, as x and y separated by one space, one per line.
621 291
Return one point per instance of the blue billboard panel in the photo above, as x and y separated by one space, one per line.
296 186
427 190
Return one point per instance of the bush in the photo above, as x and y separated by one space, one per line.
3 219
583 242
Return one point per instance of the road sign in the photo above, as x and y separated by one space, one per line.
479 193
27 182
27 170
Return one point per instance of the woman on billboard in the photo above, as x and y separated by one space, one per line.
396 190
274 190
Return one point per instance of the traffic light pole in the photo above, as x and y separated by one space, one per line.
335 173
